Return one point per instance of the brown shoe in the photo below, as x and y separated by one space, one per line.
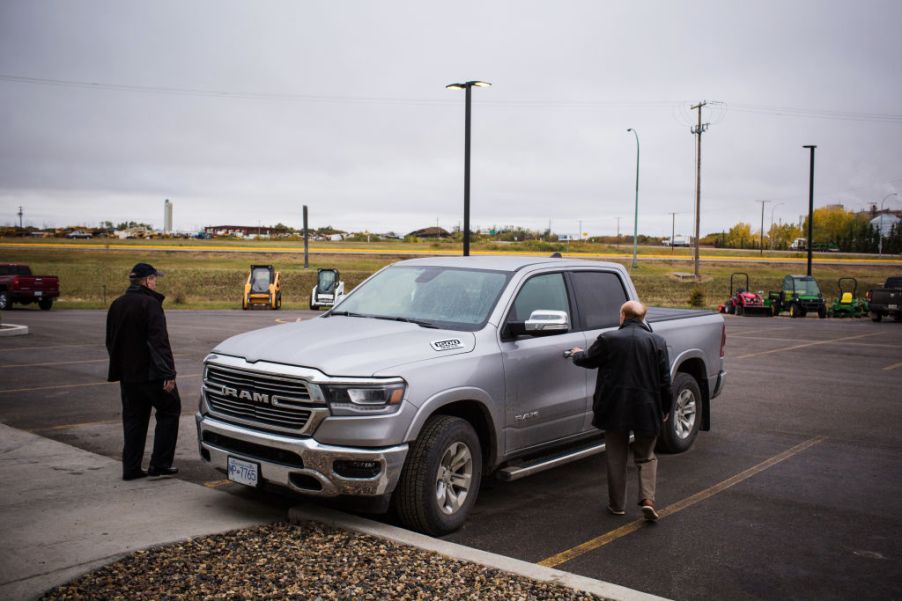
648 511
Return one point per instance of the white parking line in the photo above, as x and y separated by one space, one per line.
798 346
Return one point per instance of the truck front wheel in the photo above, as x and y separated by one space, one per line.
679 431
440 479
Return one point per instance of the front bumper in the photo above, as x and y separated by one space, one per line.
300 464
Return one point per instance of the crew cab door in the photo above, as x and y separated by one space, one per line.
545 392
598 296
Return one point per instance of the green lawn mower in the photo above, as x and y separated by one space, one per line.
847 304
800 295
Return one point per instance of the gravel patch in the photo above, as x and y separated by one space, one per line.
308 561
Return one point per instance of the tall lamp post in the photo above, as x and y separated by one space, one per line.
880 227
467 85
636 216
810 241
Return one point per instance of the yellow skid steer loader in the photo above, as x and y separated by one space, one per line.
263 287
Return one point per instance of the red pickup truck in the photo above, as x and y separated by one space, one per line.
18 285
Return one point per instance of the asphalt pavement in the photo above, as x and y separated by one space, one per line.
793 494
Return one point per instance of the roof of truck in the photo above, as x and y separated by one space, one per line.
504 262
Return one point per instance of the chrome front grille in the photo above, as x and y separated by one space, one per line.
277 402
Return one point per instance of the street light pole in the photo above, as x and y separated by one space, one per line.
467 85
810 244
636 216
672 230
763 202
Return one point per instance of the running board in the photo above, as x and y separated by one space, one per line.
540 464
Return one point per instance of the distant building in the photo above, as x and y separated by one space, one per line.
238 230
167 217
884 223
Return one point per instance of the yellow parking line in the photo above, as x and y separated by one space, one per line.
604 539
893 366
100 422
798 346
99 345
54 363
217 483
59 386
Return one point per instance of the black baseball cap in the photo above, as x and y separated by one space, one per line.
143 270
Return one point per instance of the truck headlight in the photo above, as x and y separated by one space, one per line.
363 400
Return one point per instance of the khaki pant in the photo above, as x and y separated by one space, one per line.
617 444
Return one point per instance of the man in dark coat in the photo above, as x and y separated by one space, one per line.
141 361
632 394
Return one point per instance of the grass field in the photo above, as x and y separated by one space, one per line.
213 275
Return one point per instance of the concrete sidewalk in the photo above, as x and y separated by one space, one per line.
65 511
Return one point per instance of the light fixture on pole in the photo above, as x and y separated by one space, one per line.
467 85
636 216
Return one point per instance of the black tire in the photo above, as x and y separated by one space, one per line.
679 431
795 310
822 312
730 308
45 304
876 317
897 317
279 301
740 310
416 499
5 303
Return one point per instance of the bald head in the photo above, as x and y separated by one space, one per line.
632 310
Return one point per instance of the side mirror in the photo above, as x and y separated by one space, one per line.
541 322
547 322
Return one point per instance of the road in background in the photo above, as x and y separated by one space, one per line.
791 495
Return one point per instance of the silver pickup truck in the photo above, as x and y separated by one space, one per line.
434 373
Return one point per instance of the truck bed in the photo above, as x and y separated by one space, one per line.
659 314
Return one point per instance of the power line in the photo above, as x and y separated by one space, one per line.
547 103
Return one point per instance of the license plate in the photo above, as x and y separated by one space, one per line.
893 306
38 293
244 472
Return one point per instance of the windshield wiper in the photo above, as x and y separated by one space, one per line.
421 323
345 314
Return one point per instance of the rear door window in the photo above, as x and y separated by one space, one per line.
599 296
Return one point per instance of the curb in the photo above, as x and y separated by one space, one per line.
614 592
9 329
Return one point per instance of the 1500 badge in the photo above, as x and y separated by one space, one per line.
447 345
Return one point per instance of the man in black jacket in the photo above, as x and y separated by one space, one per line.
632 393
141 361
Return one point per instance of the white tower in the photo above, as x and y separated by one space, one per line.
167 217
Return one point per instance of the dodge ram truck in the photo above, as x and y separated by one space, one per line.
434 373
886 301
18 285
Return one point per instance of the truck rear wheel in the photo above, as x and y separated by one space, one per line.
45 304
876 317
679 431
441 477
4 300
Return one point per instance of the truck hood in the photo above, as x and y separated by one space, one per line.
347 346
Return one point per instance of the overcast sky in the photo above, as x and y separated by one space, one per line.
241 112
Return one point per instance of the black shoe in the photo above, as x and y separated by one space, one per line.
134 475
162 471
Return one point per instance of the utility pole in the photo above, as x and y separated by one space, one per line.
672 230
763 202
618 231
306 237
580 230
20 217
698 130
810 241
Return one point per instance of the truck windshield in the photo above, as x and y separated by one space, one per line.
807 286
451 298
